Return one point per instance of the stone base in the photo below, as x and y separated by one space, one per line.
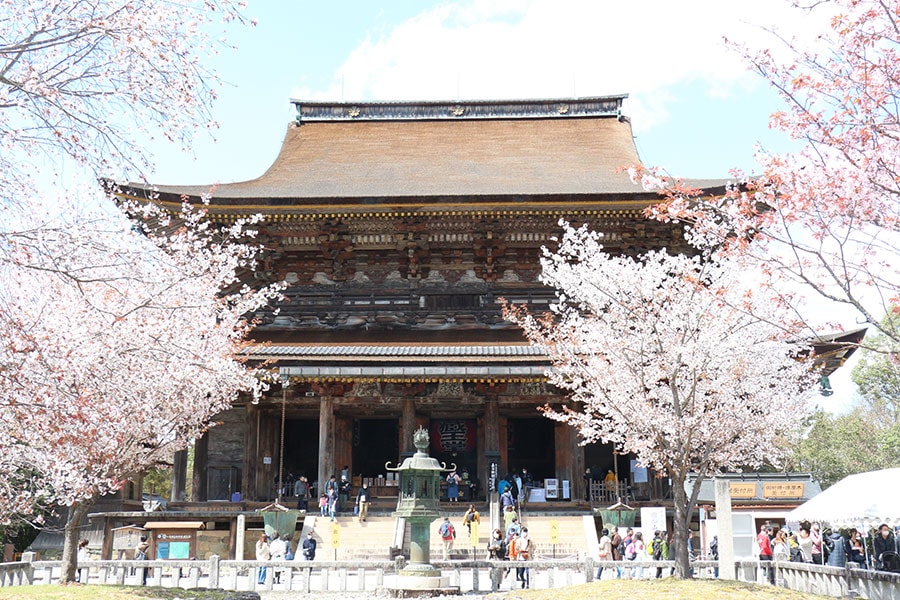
408 587
419 586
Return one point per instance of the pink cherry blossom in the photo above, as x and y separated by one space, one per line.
679 361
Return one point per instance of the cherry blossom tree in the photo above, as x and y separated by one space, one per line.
825 219
664 358
116 354
118 338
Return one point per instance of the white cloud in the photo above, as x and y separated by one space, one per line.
543 48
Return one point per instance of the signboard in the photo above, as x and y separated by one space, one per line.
639 473
554 531
473 534
335 535
175 545
743 490
453 435
653 518
783 490
551 488
127 538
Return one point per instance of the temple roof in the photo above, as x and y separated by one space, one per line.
366 153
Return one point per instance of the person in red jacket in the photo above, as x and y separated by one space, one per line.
765 551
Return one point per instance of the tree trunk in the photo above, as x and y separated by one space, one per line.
70 541
682 525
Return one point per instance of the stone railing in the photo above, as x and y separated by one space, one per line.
838 582
468 575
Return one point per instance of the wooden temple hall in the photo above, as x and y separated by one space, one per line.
398 226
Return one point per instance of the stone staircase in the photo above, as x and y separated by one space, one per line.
374 538
370 540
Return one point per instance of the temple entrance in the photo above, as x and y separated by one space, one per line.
530 443
301 449
599 460
375 442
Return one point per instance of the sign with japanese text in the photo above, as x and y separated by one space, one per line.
453 435
783 490
743 490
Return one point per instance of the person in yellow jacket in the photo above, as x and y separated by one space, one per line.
471 516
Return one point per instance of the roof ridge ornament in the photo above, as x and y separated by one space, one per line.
596 106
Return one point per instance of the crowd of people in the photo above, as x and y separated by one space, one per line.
276 548
811 544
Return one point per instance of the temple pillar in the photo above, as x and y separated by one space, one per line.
201 464
251 453
565 441
576 481
491 440
407 427
343 444
179 476
326 441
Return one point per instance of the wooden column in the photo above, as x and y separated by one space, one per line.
407 427
566 445
201 463
491 424
577 465
251 453
343 444
491 447
179 476
326 441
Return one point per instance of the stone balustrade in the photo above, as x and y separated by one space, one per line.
468 575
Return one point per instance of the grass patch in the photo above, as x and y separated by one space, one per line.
107 592
669 588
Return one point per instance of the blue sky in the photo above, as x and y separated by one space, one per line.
695 108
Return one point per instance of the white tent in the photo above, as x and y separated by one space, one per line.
864 500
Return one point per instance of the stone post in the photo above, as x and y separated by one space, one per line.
725 529
239 537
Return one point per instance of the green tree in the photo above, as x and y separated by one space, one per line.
868 437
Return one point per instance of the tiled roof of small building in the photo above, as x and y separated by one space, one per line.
414 150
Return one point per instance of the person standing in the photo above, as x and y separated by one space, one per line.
471 516
655 549
140 553
262 554
448 534
497 546
309 546
507 499
855 551
805 543
82 557
513 530
765 552
278 551
517 479
301 490
837 554
604 551
818 558
527 484
509 515
638 553
524 550
618 550
362 502
332 503
453 487
884 542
